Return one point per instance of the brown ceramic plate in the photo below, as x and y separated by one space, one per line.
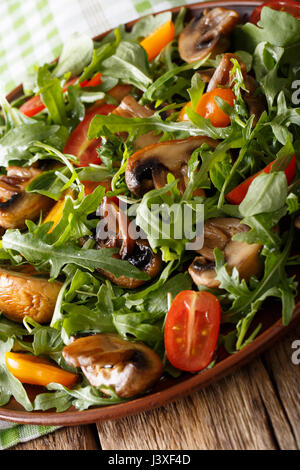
168 388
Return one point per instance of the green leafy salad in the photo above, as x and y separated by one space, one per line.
149 202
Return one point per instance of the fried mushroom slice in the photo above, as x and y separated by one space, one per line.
113 232
108 360
221 76
218 233
130 108
16 204
148 168
207 34
24 295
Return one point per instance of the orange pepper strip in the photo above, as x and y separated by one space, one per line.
183 115
158 39
55 214
37 371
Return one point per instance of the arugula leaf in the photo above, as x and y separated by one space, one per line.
138 324
52 96
15 145
154 89
147 25
9 328
262 229
130 64
84 319
46 341
60 401
156 302
196 90
84 396
35 248
286 33
167 235
101 125
100 53
266 193
9 385
76 54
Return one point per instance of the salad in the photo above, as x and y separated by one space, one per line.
105 287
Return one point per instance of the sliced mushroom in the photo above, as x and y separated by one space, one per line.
130 108
207 34
148 168
218 233
222 73
24 295
16 204
113 232
206 74
120 91
109 361
222 77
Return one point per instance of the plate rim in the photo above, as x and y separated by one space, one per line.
188 385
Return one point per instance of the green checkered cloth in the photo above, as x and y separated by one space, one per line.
13 434
32 32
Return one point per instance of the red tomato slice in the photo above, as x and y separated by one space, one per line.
90 186
289 6
192 330
32 106
94 81
35 105
78 143
237 194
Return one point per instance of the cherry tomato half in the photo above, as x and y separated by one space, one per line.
192 329
289 6
78 143
208 108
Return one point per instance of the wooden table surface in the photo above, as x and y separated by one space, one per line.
257 407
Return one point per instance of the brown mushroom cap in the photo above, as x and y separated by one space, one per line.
218 233
221 75
207 34
148 168
107 360
145 259
24 295
18 205
116 234
130 108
